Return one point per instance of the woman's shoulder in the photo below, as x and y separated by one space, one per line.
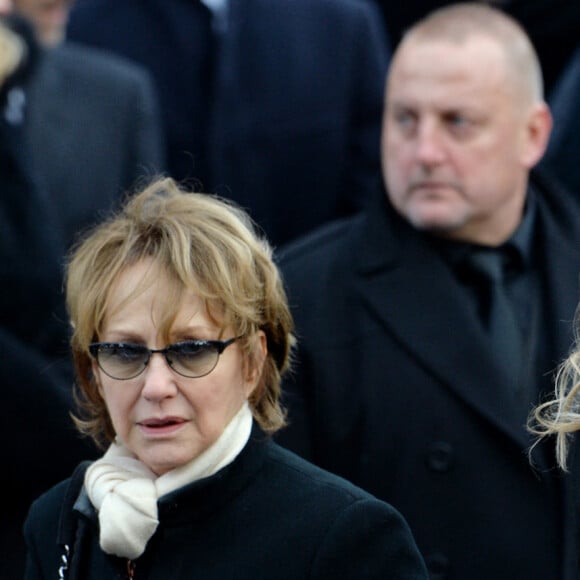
308 477
51 499
45 511
349 528
41 528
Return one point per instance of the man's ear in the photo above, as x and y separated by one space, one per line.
537 134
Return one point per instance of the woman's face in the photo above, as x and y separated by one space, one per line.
165 419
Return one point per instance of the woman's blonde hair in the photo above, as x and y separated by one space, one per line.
560 416
200 242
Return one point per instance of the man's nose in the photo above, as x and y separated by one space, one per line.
430 144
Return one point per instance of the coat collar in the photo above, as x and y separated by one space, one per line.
398 271
202 497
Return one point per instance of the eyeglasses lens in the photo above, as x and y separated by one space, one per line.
123 362
192 359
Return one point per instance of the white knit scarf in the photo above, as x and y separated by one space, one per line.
125 491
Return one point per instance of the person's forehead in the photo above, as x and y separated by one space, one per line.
480 54
476 65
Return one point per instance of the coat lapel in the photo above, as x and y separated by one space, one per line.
399 285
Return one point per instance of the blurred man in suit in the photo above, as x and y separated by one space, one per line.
36 399
273 103
404 383
76 129
92 120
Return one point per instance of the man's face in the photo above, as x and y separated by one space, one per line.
454 140
49 17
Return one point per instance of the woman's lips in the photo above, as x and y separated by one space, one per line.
161 426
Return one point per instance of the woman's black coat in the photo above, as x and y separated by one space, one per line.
268 515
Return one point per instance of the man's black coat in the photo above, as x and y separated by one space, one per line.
396 389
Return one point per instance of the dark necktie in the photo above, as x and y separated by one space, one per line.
498 313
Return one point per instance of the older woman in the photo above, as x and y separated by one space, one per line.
181 332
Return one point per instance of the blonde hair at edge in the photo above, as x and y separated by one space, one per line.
203 243
560 416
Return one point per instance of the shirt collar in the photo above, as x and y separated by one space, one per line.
520 245
215 5
523 237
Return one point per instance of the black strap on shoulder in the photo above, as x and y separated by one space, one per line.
67 523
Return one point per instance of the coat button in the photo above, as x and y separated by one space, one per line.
440 456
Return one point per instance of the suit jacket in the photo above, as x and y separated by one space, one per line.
40 444
396 389
297 99
268 515
93 128
85 130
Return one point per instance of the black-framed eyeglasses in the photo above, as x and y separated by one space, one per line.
191 358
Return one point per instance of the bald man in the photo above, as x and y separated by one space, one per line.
401 383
